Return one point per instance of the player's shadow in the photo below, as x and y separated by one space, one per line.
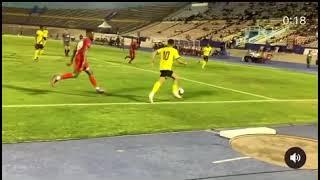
34 91
127 93
194 94
131 97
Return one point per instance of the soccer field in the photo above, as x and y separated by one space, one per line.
223 95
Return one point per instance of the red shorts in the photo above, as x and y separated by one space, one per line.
132 53
79 64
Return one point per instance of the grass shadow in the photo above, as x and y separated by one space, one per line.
34 91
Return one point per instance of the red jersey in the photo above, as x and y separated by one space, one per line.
133 45
82 45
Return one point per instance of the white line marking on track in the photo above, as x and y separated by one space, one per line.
228 160
199 82
158 103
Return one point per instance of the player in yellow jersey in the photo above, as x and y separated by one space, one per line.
206 52
45 37
39 43
167 56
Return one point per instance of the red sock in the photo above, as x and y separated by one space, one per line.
93 81
67 76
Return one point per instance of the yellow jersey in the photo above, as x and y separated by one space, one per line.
167 57
206 50
45 33
39 38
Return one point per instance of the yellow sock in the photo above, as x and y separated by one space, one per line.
203 64
175 87
42 50
39 51
156 87
36 54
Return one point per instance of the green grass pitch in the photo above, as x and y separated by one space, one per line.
221 96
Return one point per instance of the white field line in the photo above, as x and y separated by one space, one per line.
158 103
228 160
199 82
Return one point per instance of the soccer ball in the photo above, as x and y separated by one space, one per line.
181 91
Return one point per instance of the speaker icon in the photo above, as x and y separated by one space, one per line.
295 157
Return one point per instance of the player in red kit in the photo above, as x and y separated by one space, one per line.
80 63
132 53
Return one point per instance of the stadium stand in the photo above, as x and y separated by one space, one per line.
301 34
312 44
187 11
218 21
23 30
124 20
155 30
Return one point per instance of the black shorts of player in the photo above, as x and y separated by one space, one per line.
205 58
166 73
39 46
